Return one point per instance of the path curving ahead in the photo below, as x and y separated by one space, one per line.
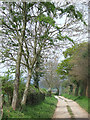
61 112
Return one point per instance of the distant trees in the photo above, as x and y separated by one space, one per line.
50 78
75 68
80 69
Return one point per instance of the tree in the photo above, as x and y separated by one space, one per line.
41 39
14 28
38 72
81 72
72 67
50 79
7 87
1 100
23 45
17 76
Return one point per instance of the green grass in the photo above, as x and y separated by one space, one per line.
70 111
42 110
81 100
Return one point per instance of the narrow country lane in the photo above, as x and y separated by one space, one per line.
69 109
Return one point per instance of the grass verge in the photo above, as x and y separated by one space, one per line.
43 110
81 100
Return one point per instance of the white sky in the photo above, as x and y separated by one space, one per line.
73 1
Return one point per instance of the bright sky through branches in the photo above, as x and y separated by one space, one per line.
62 21
71 1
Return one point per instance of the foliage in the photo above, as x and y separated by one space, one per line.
80 57
50 78
42 110
64 67
10 113
37 72
35 96
75 68
43 90
7 87
70 51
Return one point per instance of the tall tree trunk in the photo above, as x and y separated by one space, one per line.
17 79
83 88
32 63
36 80
57 91
71 89
23 102
1 107
17 75
81 91
49 91
1 101
87 91
36 84
77 89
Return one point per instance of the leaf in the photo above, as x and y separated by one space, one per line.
3 8
69 39
48 19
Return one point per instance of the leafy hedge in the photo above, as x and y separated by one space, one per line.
35 96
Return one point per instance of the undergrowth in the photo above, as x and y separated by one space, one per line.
43 110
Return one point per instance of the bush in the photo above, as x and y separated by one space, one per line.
46 92
10 113
49 94
35 96
43 90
